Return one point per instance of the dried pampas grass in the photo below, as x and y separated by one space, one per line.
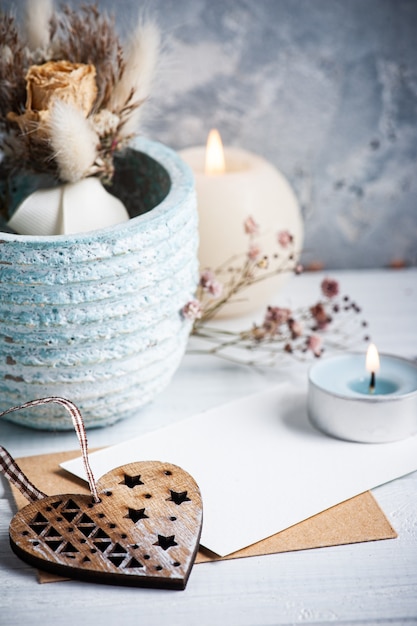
73 140
88 36
13 65
77 146
134 87
38 23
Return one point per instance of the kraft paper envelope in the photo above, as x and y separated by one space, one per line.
353 521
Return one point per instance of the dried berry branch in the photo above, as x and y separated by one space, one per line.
330 322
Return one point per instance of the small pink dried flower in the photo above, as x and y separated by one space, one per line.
276 315
296 328
206 277
216 289
285 238
192 310
251 227
254 252
330 287
314 344
320 315
299 269
209 282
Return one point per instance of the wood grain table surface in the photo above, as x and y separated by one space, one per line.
365 583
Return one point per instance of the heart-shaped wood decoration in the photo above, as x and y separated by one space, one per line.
141 525
144 531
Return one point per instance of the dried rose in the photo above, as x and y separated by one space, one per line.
72 83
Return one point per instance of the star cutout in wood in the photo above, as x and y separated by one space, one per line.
131 481
179 497
166 542
136 514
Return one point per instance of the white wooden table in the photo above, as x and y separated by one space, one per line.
366 583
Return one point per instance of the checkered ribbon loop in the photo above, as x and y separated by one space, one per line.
12 471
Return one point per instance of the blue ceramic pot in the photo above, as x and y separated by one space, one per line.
96 317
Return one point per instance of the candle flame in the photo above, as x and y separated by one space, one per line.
372 359
215 163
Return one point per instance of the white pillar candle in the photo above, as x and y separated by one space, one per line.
245 185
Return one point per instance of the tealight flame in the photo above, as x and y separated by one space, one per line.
372 359
215 163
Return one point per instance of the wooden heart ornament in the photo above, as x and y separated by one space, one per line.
144 531
140 526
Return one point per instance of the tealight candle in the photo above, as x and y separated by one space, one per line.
373 404
231 185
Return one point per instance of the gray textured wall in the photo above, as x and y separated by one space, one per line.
325 89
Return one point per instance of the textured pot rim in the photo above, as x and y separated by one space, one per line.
181 178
